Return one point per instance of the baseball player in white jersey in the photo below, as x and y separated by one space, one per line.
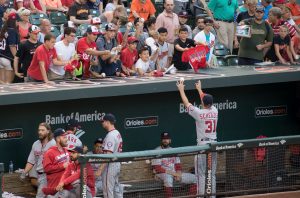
73 134
112 143
206 125
36 155
168 169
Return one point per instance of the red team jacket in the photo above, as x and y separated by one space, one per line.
53 163
196 56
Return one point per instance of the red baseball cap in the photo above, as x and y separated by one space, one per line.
132 39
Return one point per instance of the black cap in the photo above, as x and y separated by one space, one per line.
184 14
109 117
73 123
208 20
165 135
99 140
207 99
77 149
59 132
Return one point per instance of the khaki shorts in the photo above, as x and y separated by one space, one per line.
5 64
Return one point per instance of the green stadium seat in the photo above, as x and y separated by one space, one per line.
95 13
34 19
55 31
220 50
221 61
81 30
232 60
57 18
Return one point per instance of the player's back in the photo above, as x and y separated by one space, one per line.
113 142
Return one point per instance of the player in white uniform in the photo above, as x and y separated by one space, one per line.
112 143
36 156
73 136
168 169
206 125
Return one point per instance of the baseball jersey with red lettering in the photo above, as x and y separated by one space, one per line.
196 56
113 142
82 46
167 163
206 122
73 141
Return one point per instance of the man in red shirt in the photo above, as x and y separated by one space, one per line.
69 185
295 10
44 56
129 56
86 47
55 161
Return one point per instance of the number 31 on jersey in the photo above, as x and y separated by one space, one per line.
211 126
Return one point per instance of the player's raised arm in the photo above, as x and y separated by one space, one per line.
180 85
199 88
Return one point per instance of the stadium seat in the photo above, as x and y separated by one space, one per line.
221 61
57 18
232 60
81 30
95 13
220 50
35 18
55 31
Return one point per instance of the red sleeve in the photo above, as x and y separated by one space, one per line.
82 46
48 164
40 55
159 169
178 167
66 174
124 58
69 178
91 179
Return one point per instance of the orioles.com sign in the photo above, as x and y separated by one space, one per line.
141 122
8 134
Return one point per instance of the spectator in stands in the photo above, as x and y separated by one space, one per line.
251 49
39 6
67 3
97 149
150 24
129 56
45 29
55 5
295 10
243 8
44 56
223 16
295 46
9 40
25 53
56 159
79 13
86 48
198 7
199 25
180 5
281 48
139 33
23 24
112 4
7 12
69 184
169 20
183 18
164 55
28 4
3 6
108 16
268 5
170 169
95 5
276 21
251 4
66 51
141 9
286 16
279 3
182 44
36 156
205 37
143 63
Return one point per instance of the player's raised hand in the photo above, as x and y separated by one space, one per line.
198 85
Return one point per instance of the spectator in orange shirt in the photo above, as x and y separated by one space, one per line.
23 24
141 9
295 11
54 5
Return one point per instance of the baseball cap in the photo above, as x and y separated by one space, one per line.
73 123
109 117
96 21
183 14
110 27
208 20
207 99
77 149
99 140
59 132
260 8
34 29
132 39
12 15
93 30
165 135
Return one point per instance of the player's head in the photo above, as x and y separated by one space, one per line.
44 131
98 146
207 101
108 121
165 139
75 152
60 137
73 125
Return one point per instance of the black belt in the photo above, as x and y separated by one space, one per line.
40 173
207 139
227 21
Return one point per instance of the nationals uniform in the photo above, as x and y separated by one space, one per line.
111 187
36 158
170 164
206 125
